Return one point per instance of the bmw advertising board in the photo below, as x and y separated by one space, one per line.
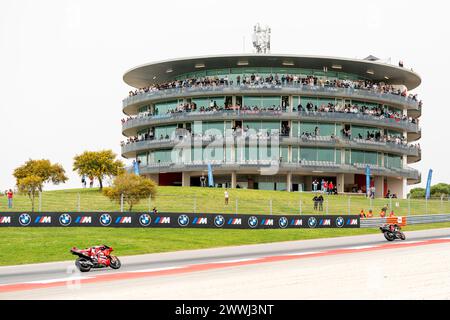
174 220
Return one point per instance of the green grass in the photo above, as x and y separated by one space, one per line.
205 200
35 245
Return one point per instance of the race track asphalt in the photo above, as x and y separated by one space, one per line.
362 267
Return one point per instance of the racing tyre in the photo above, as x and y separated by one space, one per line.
83 265
389 236
115 263
402 236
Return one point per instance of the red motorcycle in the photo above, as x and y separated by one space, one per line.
95 257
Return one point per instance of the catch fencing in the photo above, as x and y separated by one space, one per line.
212 201
410 220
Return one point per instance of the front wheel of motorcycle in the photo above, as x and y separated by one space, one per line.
402 236
389 236
83 265
115 263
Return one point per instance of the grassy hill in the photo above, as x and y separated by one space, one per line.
207 200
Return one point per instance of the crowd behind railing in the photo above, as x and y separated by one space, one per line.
375 112
276 80
374 137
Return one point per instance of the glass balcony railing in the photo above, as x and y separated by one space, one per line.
337 142
279 167
357 118
288 89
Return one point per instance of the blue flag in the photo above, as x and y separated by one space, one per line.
428 190
136 167
210 176
368 180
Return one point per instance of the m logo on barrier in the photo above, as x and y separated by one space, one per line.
325 223
43 220
200 220
352 222
162 220
297 222
267 222
123 220
235 221
5 220
83 220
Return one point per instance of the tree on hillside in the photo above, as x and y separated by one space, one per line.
98 164
436 191
32 176
417 193
134 188
440 189
30 186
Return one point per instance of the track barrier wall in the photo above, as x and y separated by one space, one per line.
175 220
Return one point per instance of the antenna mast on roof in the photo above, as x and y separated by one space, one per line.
261 39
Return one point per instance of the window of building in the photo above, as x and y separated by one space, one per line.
165 132
143 159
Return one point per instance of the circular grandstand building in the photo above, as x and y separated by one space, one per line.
274 122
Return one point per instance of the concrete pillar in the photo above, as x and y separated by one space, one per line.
340 183
289 182
185 179
379 187
233 180
308 183
405 188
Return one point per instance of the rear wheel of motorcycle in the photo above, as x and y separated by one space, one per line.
115 262
389 236
82 265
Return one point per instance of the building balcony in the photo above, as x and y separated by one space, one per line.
130 105
275 167
132 149
132 126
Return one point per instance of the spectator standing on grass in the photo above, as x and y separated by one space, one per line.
322 183
91 182
316 202
321 203
315 184
226 197
10 196
203 181
83 181
330 187
325 187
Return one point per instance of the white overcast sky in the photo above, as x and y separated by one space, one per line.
62 61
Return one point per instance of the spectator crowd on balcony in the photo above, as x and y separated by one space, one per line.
363 110
274 80
238 131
